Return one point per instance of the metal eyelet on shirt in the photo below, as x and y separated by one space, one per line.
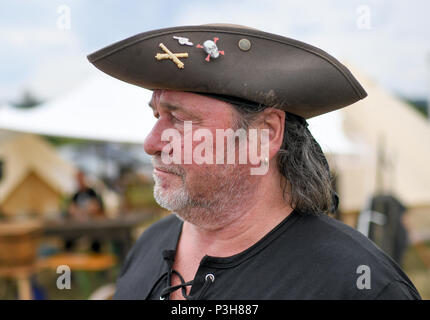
210 276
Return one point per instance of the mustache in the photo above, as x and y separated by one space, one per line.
156 163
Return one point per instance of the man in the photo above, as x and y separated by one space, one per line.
237 234
84 205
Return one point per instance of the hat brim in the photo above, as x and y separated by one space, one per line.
275 71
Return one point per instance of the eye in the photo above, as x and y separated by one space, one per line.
176 118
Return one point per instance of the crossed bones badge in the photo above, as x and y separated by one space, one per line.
209 46
172 56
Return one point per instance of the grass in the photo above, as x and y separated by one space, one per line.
418 271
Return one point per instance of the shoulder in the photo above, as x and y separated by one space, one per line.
144 264
398 290
161 229
336 256
159 236
332 237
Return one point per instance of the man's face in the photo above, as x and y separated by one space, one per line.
181 187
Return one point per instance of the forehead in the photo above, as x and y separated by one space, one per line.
191 102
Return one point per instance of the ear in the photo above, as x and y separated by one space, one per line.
274 120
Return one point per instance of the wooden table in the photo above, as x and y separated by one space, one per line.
22 275
119 229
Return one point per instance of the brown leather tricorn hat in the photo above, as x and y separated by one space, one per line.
233 61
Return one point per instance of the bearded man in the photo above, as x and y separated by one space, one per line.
233 234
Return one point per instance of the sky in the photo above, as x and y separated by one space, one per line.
44 43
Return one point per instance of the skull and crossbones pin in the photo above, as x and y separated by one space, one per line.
209 46
211 49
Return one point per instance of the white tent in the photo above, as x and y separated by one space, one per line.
104 108
101 108
385 124
329 132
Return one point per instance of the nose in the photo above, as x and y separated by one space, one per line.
153 144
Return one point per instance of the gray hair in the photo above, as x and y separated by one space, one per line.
307 182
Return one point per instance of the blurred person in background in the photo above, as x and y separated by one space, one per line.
85 205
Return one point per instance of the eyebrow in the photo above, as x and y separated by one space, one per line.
170 107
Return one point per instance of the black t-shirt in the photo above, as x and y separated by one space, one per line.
304 257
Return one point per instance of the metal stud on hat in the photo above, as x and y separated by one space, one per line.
244 44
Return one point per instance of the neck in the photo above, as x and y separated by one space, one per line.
256 215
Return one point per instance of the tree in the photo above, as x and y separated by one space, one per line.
27 100
420 105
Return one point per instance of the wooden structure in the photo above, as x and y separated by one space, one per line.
19 243
34 178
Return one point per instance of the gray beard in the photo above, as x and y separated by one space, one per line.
212 210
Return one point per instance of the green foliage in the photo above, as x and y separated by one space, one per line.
141 196
27 100
59 141
420 105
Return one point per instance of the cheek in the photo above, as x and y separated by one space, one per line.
201 179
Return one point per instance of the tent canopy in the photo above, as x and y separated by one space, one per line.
106 109
389 127
102 108
25 153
